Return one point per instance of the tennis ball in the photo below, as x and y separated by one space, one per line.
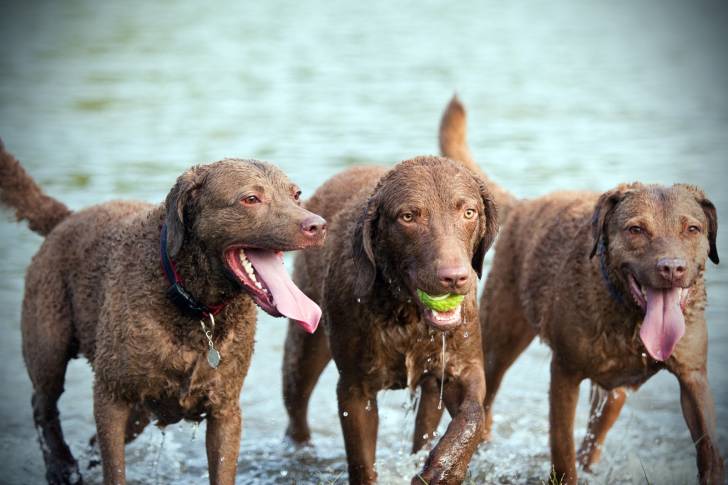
443 303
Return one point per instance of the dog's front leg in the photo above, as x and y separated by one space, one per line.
563 396
111 417
449 459
222 441
697 406
359 422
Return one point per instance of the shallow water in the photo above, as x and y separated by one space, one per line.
104 101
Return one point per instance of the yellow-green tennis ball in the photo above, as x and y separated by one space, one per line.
443 303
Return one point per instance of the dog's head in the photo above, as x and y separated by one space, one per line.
425 231
656 241
242 214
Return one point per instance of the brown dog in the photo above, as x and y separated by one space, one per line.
614 284
97 287
423 226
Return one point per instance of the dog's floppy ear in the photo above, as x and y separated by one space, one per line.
363 247
602 212
710 214
177 200
489 228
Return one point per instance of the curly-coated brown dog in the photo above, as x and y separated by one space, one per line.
422 227
613 283
97 288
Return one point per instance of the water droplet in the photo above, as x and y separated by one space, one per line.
368 407
429 359
425 436
644 355
434 434
358 300
284 473
426 371
345 413
466 334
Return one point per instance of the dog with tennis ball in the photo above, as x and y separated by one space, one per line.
396 281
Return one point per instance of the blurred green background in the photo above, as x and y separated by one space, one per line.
104 100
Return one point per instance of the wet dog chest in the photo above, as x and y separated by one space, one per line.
403 354
628 370
186 389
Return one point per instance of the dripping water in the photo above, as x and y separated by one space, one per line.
442 379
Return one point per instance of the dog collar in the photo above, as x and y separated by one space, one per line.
613 292
177 293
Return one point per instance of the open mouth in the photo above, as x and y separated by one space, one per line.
442 312
664 321
262 274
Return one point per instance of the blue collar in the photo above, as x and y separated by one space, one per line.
613 292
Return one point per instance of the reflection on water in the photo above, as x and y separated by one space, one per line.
105 101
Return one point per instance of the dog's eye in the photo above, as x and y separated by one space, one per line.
470 213
635 230
250 200
407 217
694 229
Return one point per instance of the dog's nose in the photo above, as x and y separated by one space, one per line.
671 269
453 277
314 226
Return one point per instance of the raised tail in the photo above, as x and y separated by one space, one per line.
454 145
20 192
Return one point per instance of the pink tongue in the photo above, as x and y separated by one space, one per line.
288 299
664 323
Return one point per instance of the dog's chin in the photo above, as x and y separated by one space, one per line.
245 275
443 321
638 292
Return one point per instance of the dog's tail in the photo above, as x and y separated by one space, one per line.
454 145
20 192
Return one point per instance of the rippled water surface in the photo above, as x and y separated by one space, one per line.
108 100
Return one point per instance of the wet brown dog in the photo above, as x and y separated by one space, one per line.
614 284
424 225
96 287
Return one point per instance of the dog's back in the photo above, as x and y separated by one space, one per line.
328 201
66 280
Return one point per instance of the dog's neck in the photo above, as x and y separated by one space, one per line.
615 288
204 277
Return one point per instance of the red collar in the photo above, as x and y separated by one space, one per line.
177 293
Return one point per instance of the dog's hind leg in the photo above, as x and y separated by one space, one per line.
304 359
48 345
605 409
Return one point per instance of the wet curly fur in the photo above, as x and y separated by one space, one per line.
364 279
95 288
561 271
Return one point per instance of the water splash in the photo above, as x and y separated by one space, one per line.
442 379
158 456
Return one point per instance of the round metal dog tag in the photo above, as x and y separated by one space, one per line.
213 358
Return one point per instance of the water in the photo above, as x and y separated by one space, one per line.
104 101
